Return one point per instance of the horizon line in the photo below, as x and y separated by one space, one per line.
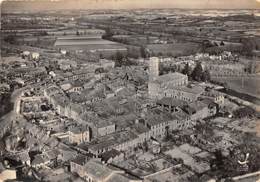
119 9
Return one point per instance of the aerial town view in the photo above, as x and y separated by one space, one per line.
130 91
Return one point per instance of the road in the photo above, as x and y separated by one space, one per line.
7 119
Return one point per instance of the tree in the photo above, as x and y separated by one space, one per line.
205 76
160 54
143 52
218 162
222 43
197 72
147 39
108 35
119 58
145 146
99 70
43 33
187 70
167 133
101 56
10 39
244 112
132 54
205 45
248 46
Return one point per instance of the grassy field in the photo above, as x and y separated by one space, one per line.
176 49
247 85
83 41
90 47
87 43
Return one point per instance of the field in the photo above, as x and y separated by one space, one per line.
93 47
82 41
176 49
88 43
247 85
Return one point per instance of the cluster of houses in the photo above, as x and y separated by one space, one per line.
107 118
121 123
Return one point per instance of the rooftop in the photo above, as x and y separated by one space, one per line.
192 89
97 170
169 101
156 116
110 154
80 160
78 129
112 140
169 77
122 178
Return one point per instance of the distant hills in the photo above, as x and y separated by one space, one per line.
39 5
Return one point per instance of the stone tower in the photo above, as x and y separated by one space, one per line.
153 68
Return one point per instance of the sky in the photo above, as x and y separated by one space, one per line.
129 4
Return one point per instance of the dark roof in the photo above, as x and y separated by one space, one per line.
189 110
80 159
208 101
97 170
169 101
38 160
110 154
139 129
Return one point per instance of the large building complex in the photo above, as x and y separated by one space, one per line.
159 84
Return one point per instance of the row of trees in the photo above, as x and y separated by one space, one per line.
245 112
122 60
196 74
6 104
11 39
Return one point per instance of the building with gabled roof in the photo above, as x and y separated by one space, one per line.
95 171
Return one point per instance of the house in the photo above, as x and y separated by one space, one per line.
158 86
66 152
77 86
201 109
26 54
66 64
7 174
216 96
171 104
4 87
99 127
79 134
170 85
27 73
106 64
95 171
24 157
40 161
63 52
160 122
35 55
72 86
77 165
112 156
123 178
187 93
141 131
122 141
46 158
66 85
